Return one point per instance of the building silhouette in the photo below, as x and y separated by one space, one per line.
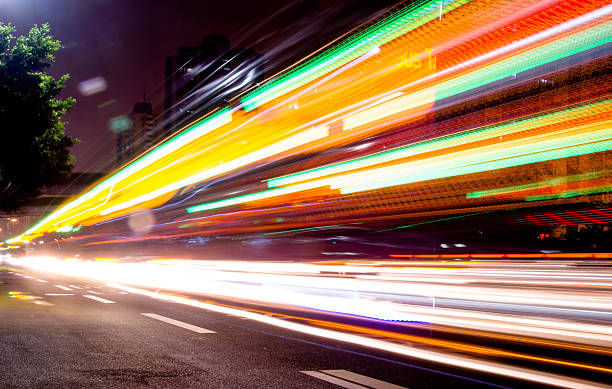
198 79
202 78
139 132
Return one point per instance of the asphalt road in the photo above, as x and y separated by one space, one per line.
60 332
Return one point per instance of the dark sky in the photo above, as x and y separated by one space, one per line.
126 42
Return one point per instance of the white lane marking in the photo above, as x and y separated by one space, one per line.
75 287
28 277
362 379
63 287
401 349
39 280
100 299
177 323
333 380
94 292
59 294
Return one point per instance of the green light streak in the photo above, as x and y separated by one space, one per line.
536 185
351 48
195 131
568 46
434 221
443 142
240 199
309 228
565 47
527 154
570 193
514 156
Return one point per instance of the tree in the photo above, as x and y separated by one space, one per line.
34 150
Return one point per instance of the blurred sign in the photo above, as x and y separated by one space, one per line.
93 86
120 123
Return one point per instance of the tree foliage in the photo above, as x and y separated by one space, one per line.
34 148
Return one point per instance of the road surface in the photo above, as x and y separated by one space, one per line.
63 332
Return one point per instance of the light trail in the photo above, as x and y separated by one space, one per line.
373 94
542 325
497 111
300 284
443 358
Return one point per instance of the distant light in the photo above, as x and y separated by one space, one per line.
120 123
459 245
66 229
93 86
141 222
361 146
106 103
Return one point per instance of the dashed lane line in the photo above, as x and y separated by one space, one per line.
100 299
334 380
362 379
177 323
63 287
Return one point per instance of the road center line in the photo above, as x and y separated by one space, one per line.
177 323
63 287
362 379
100 299
333 380
402 349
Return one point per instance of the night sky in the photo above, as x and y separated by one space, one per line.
126 42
